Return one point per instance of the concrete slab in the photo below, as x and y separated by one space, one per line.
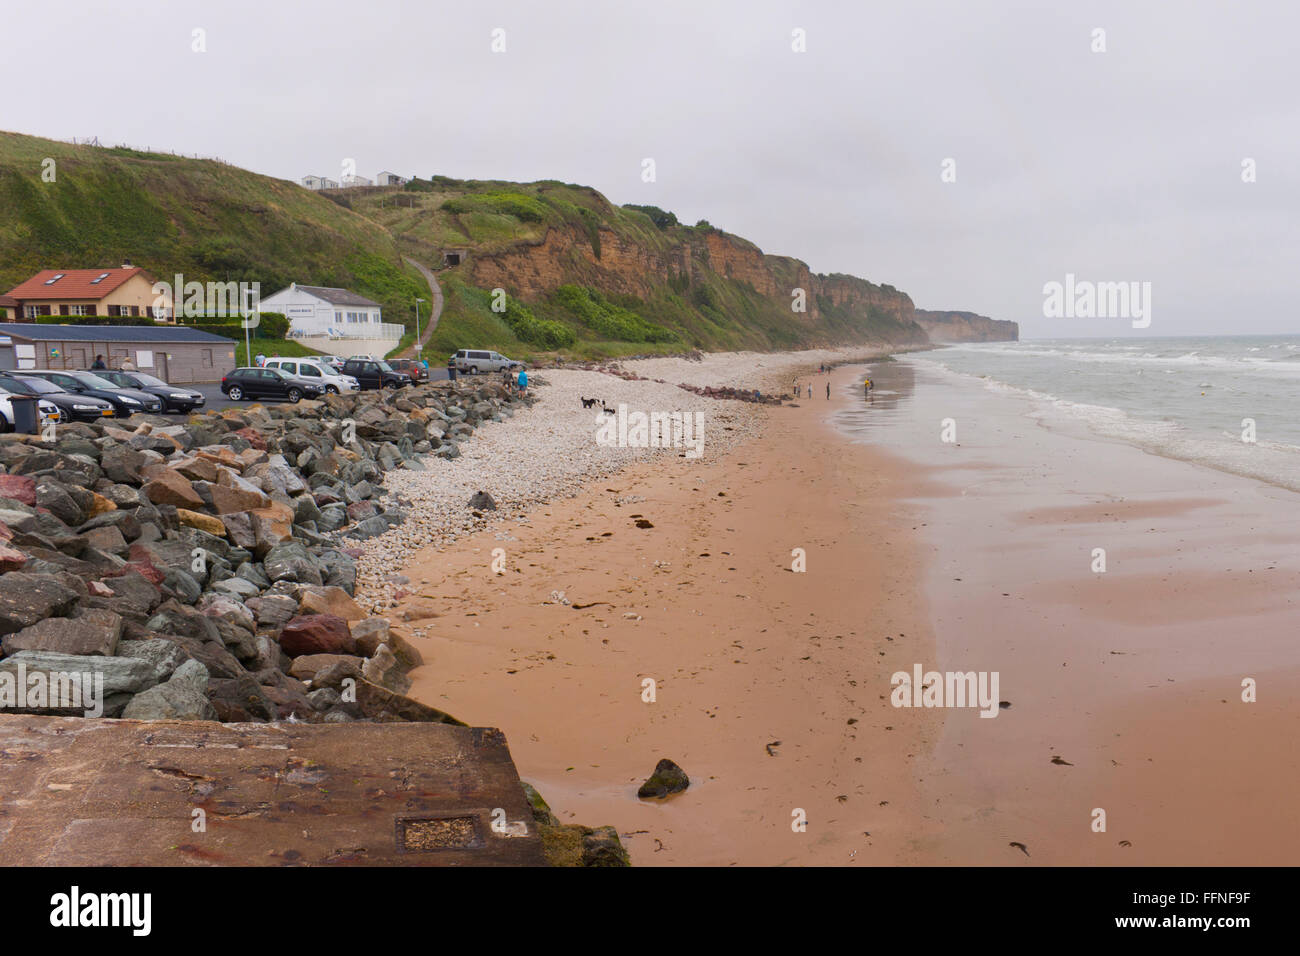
133 793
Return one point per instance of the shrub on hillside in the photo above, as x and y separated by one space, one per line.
607 319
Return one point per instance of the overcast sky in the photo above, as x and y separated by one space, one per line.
1123 165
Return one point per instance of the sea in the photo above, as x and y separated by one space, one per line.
1226 402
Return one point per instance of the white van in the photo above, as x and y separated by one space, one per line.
315 369
473 361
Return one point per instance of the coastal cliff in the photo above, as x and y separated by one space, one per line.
966 327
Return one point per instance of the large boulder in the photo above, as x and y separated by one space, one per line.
119 675
330 600
317 634
164 656
172 488
383 669
122 464
306 667
375 632
291 561
92 632
28 598
183 697
19 488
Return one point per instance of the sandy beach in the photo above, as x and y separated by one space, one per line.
772 686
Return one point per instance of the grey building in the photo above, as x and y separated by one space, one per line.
175 354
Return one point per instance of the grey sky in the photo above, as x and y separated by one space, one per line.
1123 165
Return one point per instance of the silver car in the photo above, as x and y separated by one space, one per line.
475 361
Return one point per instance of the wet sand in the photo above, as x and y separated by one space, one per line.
975 555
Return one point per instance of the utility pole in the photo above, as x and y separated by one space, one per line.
417 328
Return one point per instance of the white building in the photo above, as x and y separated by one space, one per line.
355 180
334 320
319 182
390 179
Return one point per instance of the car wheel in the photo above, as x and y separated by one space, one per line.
236 394
331 390
294 395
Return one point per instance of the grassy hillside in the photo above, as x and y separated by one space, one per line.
584 277
201 218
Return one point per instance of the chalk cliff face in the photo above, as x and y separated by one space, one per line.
837 309
966 327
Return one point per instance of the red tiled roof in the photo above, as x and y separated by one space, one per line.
8 302
74 283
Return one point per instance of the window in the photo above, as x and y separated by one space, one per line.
55 279
309 370
135 311
338 316
78 310
101 278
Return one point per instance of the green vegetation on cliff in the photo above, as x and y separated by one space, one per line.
582 276
204 219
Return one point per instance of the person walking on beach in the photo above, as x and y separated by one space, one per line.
99 363
128 365
828 391
451 369
523 381
810 390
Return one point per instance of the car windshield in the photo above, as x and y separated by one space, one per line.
94 381
39 386
148 381
384 366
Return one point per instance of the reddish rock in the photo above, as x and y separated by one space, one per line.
19 488
140 562
11 559
230 500
172 488
317 634
253 437
330 600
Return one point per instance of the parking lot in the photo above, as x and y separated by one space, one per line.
217 400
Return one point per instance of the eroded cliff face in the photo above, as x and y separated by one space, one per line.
966 327
848 308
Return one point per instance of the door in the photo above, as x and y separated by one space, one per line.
160 358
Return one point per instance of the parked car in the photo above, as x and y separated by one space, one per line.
75 408
127 401
311 368
372 373
250 383
174 398
46 411
414 369
474 361
333 361
364 358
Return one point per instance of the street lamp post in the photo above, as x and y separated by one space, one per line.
417 327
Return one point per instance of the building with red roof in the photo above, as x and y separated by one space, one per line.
125 292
